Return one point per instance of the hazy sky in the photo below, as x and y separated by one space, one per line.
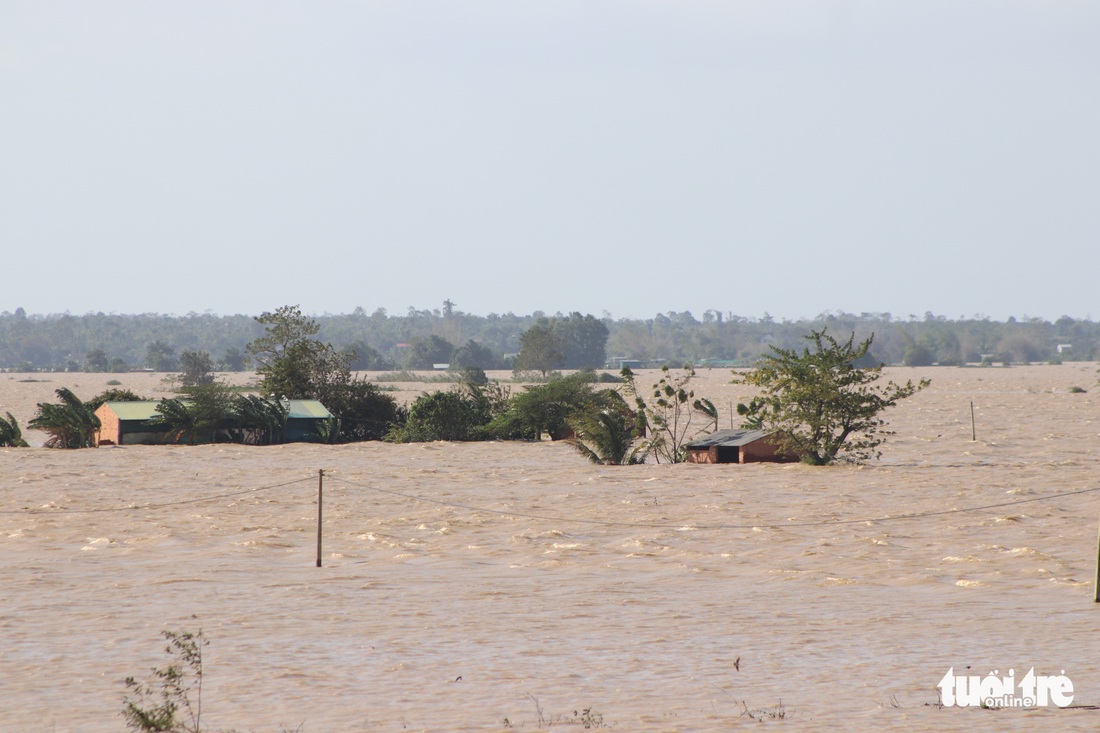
628 157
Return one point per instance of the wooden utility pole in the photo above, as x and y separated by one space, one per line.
1096 594
320 492
973 427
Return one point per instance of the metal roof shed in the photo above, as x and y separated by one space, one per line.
738 446
304 419
127 423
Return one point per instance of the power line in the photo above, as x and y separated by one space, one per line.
552 518
136 507
647 525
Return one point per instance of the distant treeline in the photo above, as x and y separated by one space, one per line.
421 338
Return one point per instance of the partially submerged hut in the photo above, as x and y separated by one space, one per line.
129 423
135 423
739 446
304 420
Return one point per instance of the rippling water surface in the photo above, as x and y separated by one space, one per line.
482 586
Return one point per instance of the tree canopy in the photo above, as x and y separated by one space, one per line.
101 342
821 404
294 365
540 349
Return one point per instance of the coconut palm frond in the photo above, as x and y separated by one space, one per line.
606 437
10 434
71 424
182 422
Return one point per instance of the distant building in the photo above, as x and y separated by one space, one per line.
134 423
623 362
128 423
738 446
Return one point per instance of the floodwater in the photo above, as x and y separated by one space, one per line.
502 586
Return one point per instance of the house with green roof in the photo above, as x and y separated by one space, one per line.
137 423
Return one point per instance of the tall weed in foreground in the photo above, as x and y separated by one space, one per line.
171 700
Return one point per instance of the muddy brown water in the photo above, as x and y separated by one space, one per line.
496 586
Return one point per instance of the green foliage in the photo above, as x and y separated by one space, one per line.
293 365
442 416
96 361
821 405
290 363
171 701
473 375
48 342
362 409
461 413
547 408
669 417
10 434
204 416
919 353
473 354
113 395
233 360
196 369
283 328
606 437
363 357
70 424
540 349
583 341
425 353
160 357
304 371
257 420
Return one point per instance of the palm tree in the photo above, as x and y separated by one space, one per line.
606 437
181 420
259 421
10 434
71 424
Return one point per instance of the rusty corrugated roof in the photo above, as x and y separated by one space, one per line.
729 438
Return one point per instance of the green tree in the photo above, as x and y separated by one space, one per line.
196 369
473 354
258 421
583 341
919 353
540 349
283 328
233 360
160 357
425 353
363 357
669 418
206 415
115 394
460 413
445 415
10 434
547 408
180 420
363 411
70 423
96 361
294 365
607 437
819 402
